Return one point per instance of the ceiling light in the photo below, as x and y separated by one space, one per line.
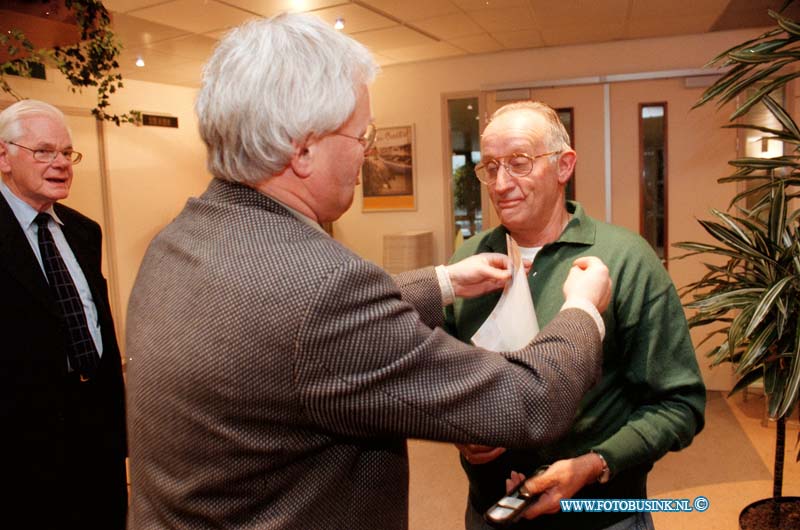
339 24
139 62
469 107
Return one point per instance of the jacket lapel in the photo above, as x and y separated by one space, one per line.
17 257
86 255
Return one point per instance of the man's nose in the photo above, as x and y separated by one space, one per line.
504 181
61 160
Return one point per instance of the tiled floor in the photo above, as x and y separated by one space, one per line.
730 463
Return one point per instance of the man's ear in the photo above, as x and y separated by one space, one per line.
566 165
302 162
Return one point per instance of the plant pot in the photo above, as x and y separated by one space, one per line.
775 513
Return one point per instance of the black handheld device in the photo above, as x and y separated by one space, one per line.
509 509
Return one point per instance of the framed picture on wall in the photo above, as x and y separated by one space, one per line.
388 176
566 115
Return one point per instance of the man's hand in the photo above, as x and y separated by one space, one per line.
588 278
561 480
480 274
480 454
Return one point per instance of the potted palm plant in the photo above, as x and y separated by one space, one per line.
750 292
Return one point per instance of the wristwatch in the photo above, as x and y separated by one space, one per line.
605 473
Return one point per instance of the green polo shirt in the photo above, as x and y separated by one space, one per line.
651 398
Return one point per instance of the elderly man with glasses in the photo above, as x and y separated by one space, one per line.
274 375
651 398
61 390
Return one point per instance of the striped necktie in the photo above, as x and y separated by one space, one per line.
81 350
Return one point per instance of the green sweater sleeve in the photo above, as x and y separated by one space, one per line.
662 370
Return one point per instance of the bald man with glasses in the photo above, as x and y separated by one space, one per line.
651 398
61 390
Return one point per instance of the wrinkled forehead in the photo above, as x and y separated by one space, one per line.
44 131
520 131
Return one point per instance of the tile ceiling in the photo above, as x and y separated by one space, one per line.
174 37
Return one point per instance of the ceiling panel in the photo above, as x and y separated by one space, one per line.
514 40
572 12
153 60
382 60
122 6
268 8
192 46
412 10
136 32
355 17
475 5
424 52
483 43
176 36
193 15
665 26
450 26
749 13
654 9
505 20
582 34
396 37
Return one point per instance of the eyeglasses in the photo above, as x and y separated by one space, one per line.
366 140
517 165
48 155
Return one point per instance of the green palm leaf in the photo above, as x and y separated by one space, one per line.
765 304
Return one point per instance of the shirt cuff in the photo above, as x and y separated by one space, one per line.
448 296
586 305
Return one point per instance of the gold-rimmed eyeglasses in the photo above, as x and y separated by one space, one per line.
366 140
517 165
49 155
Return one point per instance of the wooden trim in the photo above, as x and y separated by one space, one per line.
571 131
447 165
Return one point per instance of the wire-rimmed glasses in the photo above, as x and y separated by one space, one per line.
49 155
517 165
366 140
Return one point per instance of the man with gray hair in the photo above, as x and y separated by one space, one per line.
62 402
273 374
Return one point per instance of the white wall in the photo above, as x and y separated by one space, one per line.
150 171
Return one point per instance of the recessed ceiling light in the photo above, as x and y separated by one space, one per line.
139 62
339 24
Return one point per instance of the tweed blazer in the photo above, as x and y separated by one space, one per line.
274 376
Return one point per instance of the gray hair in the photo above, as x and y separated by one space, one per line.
12 116
271 82
557 137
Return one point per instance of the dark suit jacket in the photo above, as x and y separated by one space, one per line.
63 442
274 376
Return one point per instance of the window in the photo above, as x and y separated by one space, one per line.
464 127
653 166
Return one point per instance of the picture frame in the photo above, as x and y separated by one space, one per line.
388 174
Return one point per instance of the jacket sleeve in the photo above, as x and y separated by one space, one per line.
366 364
420 288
